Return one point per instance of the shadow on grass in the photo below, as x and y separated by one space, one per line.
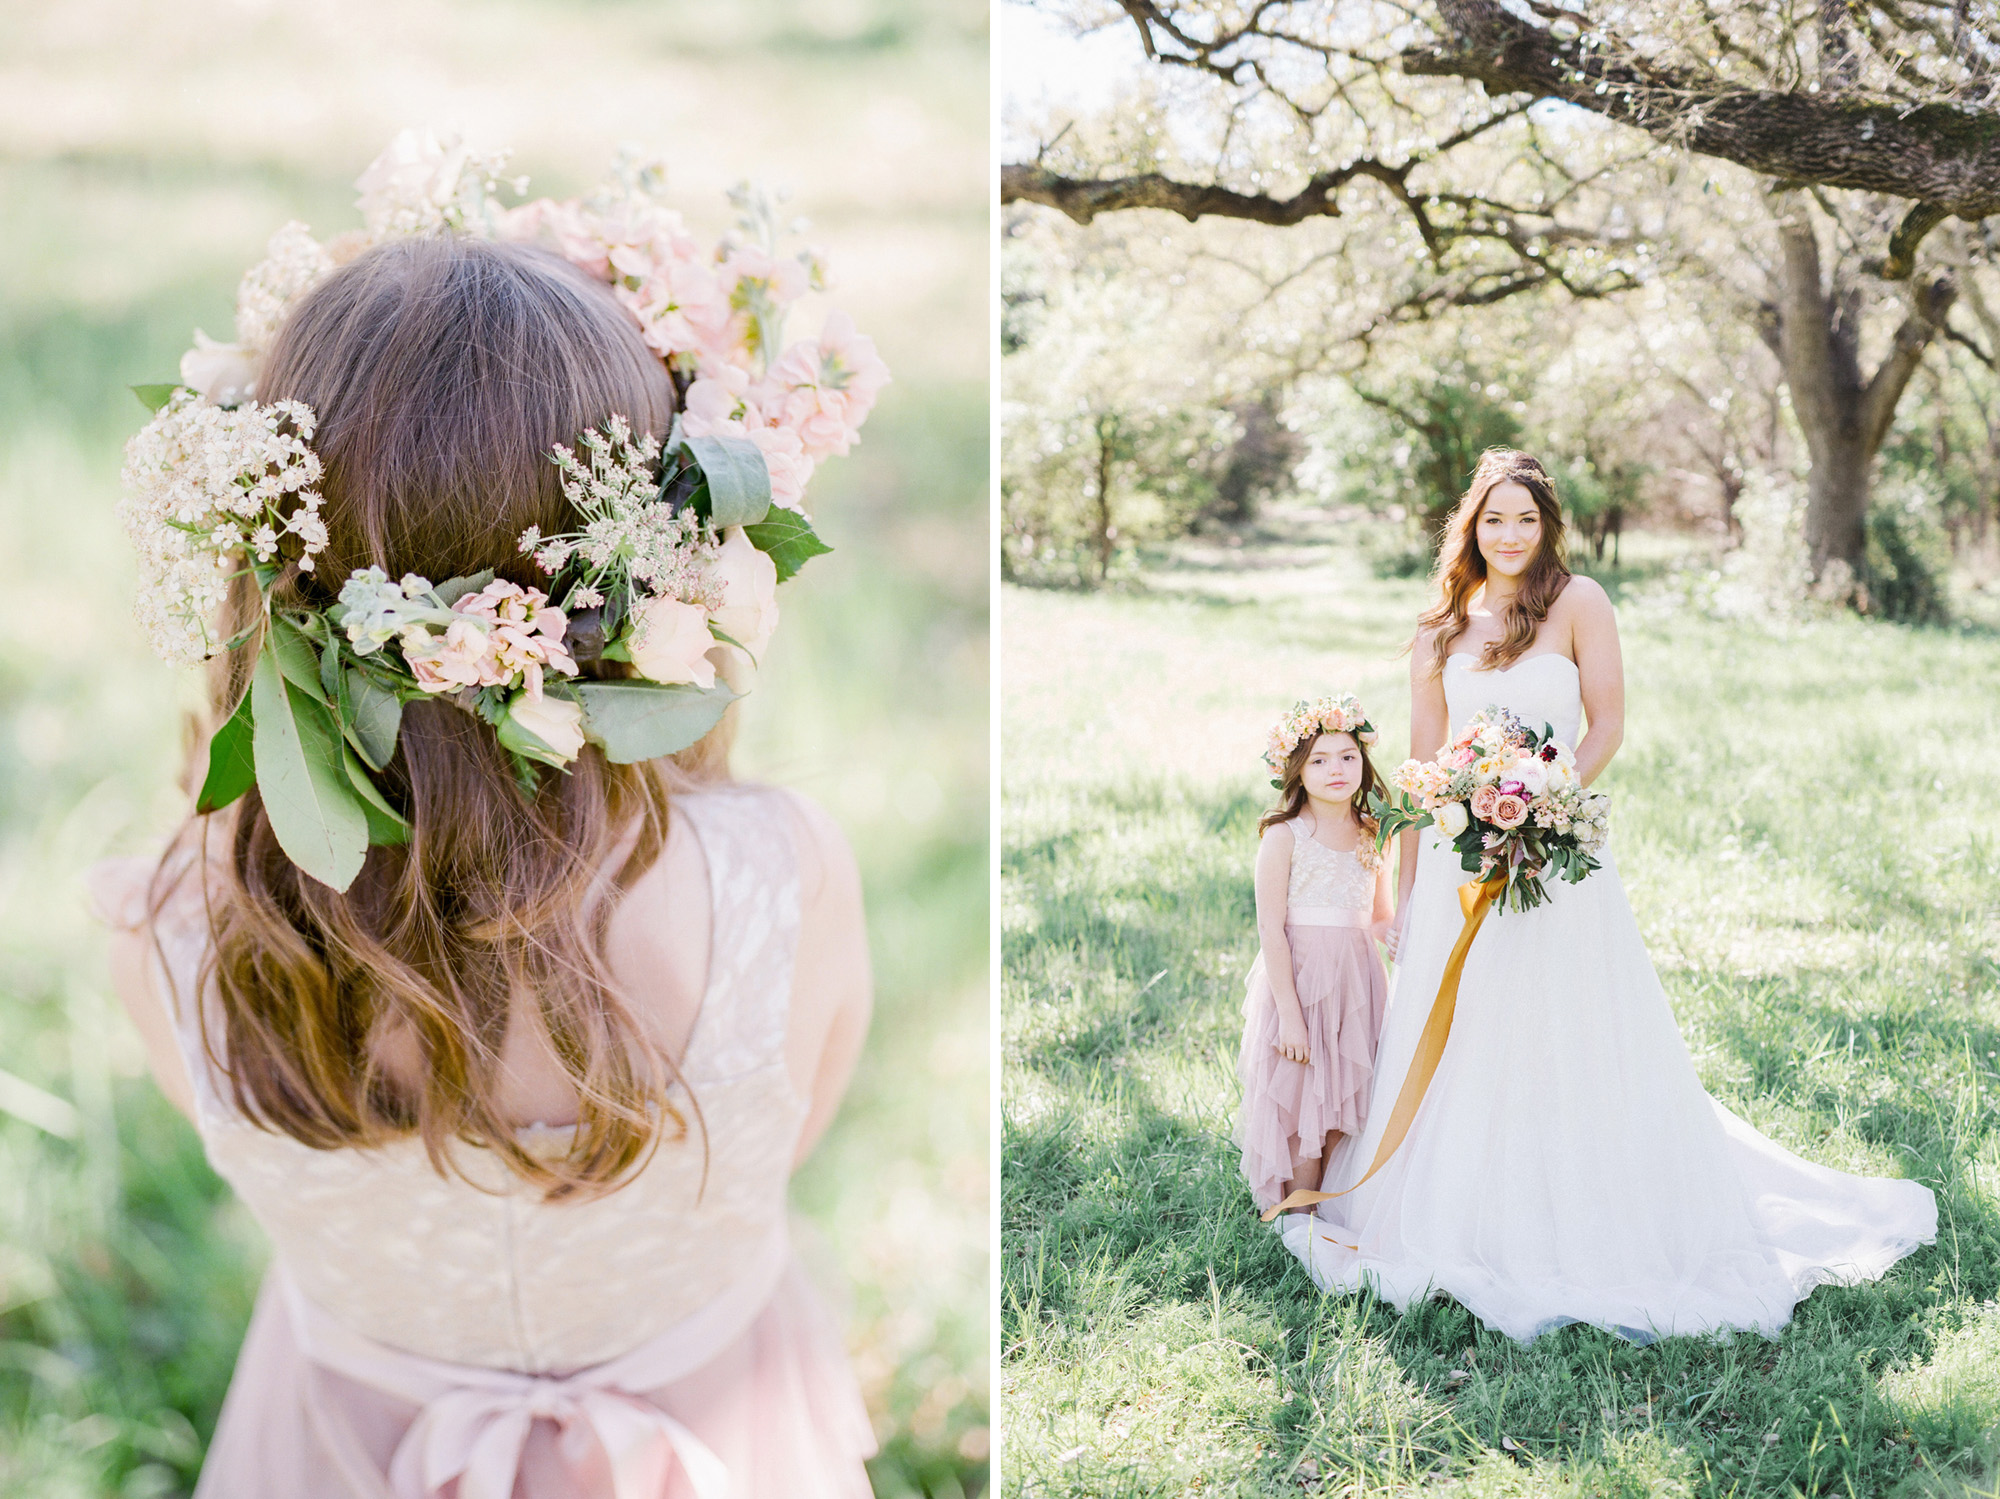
1124 1218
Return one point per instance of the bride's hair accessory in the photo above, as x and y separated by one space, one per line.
1326 715
674 568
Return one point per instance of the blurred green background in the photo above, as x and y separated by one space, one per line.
146 153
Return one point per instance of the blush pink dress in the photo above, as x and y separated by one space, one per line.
1342 990
422 1337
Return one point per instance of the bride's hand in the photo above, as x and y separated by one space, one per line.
1292 1045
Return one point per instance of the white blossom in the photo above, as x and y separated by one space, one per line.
203 484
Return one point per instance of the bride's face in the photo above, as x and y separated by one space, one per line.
1332 772
1509 530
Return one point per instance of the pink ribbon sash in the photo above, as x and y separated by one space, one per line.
473 1422
1327 916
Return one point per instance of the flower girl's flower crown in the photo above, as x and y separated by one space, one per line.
682 545
1327 715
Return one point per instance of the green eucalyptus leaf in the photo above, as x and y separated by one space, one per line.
153 397
385 823
787 538
377 718
296 657
451 590
232 769
737 478
329 668
316 815
636 721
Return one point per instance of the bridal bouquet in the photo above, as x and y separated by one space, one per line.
1509 800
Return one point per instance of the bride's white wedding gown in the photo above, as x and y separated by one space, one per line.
1566 1164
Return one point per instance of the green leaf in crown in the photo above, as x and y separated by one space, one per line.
672 573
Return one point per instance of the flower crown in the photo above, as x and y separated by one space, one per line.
1326 715
674 570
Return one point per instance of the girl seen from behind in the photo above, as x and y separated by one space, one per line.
518 1103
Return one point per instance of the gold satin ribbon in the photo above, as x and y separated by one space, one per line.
1474 899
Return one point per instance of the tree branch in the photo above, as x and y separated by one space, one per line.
1082 199
1938 154
1927 316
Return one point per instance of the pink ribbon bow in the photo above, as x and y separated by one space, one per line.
475 1434
473 1422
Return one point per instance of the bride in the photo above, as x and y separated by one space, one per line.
1565 1164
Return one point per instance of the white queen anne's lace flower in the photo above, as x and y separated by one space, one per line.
202 484
614 486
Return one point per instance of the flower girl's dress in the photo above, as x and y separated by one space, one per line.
415 1330
1566 1164
1329 899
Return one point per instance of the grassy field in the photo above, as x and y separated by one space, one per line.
145 156
1802 822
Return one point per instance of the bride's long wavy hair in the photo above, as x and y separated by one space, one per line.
443 371
1461 569
1292 786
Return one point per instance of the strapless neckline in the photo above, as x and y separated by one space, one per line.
1501 671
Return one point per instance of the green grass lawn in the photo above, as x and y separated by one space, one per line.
126 1270
1804 827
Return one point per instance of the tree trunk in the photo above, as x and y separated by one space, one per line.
1844 418
1107 435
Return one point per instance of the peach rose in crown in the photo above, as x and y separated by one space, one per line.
1484 800
672 642
225 374
1509 812
749 582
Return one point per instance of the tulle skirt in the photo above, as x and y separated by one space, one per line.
1342 993
1566 1164
778 1406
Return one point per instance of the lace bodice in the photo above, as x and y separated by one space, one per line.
1536 689
498 1277
1322 876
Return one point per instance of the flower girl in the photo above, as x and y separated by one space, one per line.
506 1013
1316 991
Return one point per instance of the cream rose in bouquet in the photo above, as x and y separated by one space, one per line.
1509 800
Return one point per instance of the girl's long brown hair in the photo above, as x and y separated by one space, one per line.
1292 793
1461 570
443 371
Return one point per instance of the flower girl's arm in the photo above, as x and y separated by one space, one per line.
1274 876
132 978
833 989
1384 911
1600 670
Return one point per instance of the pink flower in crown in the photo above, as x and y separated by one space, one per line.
680 302
779 276
572 230
1509 812
715 404
720 403
825 388
462 657
789 466
525 635
1484 801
